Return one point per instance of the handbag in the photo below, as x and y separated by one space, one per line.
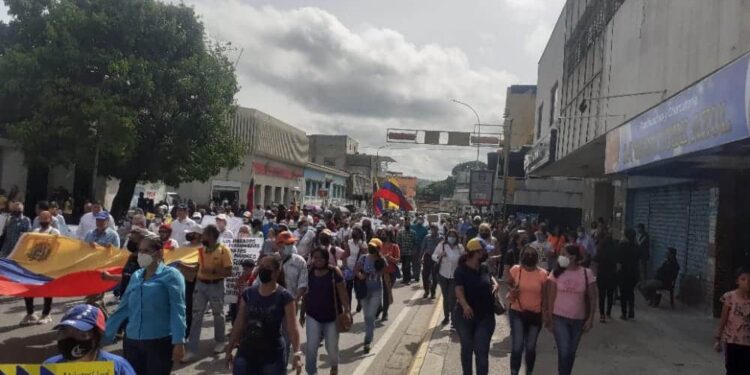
498 305
343 323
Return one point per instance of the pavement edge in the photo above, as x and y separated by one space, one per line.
419 358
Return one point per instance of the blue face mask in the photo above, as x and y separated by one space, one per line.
287 250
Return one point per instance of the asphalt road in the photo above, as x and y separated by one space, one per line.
396 341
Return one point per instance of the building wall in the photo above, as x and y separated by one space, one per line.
331 150
549 78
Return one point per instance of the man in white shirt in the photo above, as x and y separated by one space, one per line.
45 224
225 235
305 237
181 224
88 221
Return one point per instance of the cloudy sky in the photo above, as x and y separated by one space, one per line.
359 67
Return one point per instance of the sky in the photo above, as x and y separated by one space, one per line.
360 67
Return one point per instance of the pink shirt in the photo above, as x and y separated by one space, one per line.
571 288
737 330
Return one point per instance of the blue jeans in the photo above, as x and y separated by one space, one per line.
567 336
370 306
149 357
244 366
316 331
523 337
475 335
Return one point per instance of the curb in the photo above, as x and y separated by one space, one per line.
419 357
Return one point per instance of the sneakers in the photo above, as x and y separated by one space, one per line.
445 322
384 318
189 357
359 307
29 320
46 319
220 347
366 349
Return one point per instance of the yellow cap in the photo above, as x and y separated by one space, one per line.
376 243
474 244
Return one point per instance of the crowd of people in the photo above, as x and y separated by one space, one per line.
317 268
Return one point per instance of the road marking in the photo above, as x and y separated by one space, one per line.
419 357
365 364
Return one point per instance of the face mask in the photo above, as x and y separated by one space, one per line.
325 241
483 258
452 240
287 250
265 275
72 349
205 243
44 224
485 235
145 260
372 250
16 213
303 229
563 261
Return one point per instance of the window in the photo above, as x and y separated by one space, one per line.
553 104
539 114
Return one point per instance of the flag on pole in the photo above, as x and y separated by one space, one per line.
391 192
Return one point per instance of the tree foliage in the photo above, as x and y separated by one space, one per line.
468 166
137 77
436 190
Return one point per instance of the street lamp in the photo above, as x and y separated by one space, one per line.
479 123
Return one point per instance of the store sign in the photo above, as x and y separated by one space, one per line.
481 187
268 169
541 153
710 113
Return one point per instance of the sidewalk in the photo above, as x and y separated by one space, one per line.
659 341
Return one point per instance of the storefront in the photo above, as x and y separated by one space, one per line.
681 167
325 186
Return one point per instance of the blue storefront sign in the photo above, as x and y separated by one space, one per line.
710 113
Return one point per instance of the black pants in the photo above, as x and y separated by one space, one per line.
447 287
736 359
350 292
189 288
627 299
406 268
429 275
45 309
150 357
387 291
606 297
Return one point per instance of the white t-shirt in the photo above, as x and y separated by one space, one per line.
226 236
450 257
88 223
355 250
179 228
49 230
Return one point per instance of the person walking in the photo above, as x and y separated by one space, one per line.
406 240
15 226
430 269
526 299
392 254
628 264
44 220
369 272
225 234
474 314
182 225
336 254
355 247
214 264
154 307
420 232
733 334
446 256
325 299
79 338
571 297
265 310
605 264
295 276
165 235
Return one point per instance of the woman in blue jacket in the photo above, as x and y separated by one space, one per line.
154 306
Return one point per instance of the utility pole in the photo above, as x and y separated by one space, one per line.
479 123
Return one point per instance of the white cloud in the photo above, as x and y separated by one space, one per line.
359 83
535 41
538 18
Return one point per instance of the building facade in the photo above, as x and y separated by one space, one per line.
331 150
325 186
274 163
646 100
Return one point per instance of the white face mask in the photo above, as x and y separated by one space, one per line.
563 261
452 240
145 260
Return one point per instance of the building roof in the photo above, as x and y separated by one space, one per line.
269 137
325 169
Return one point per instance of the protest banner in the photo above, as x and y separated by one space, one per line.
248 248
233 224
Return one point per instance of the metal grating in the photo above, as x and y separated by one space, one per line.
589 26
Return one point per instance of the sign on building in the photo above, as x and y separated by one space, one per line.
481 185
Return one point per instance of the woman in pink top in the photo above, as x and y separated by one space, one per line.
526 305
571 294
734 326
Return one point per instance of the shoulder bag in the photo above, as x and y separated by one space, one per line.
343 323
360 286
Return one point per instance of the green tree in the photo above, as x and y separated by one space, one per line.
468 166
137 80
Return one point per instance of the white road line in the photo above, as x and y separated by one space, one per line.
365 364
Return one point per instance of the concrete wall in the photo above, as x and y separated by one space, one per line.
520 104
543 192
550 75
331 150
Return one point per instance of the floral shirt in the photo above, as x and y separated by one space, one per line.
737 330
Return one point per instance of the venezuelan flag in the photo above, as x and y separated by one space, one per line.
391 192
43 265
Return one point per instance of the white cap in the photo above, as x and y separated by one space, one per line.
197 215
221 217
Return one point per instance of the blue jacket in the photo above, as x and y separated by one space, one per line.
154 308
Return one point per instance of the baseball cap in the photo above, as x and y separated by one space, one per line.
197 215
327 232
247 214
477 218
83 317
181 206
102 215
474 244
375 243
221 217
285 238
